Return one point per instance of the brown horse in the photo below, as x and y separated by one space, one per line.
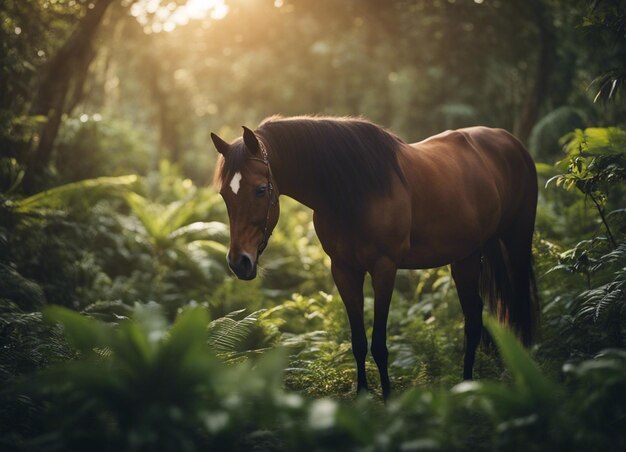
466 198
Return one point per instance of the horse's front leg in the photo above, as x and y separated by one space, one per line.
349 282
383 277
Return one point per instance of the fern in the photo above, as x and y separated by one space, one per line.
82 193
201 230
605 303
604 300
28 343
176 240
168 222
227 334
27 294
143 385
616 255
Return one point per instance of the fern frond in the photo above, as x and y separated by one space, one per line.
27 294
213 230
595 303
75 193
226 334
170 221
28 343
616 255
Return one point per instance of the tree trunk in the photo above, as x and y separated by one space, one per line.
547 53
61 87
161 88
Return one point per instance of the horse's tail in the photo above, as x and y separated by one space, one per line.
508 284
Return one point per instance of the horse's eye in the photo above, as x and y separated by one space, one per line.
260 191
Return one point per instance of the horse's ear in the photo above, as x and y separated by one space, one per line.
250 139
221 146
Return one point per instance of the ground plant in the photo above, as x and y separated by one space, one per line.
121 324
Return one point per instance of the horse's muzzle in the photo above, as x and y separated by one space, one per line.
242 266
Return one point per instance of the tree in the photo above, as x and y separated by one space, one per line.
61 86
539 84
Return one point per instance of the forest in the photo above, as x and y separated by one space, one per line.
122 327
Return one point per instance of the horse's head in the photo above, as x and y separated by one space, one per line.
245 180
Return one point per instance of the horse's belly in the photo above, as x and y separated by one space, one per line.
436 254
451 228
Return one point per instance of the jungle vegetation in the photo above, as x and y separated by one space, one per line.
121 327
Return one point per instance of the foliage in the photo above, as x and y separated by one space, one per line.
82 193
115 148
28 344
144 386
594 165
606 20
194 250
11 175
44 239
594 160
230 338
128 234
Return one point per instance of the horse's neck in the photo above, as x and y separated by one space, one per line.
293 179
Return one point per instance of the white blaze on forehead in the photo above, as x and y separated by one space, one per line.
235 182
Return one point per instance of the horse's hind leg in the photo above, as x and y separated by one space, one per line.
349 282
466 274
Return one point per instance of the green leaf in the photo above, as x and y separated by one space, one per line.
82 332
201 230
526 374
189 329
83 191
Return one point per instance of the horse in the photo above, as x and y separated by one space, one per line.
464 197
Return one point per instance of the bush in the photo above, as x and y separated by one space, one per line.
142 385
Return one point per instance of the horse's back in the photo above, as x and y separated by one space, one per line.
485 157
511 167
464 185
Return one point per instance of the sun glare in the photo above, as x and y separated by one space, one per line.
157 15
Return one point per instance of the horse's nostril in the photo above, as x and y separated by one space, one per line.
242 266
245 264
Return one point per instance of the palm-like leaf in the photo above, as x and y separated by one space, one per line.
163 219
166 223
160 220
196 247
85 192
201 230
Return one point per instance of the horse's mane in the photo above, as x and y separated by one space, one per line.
347 159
